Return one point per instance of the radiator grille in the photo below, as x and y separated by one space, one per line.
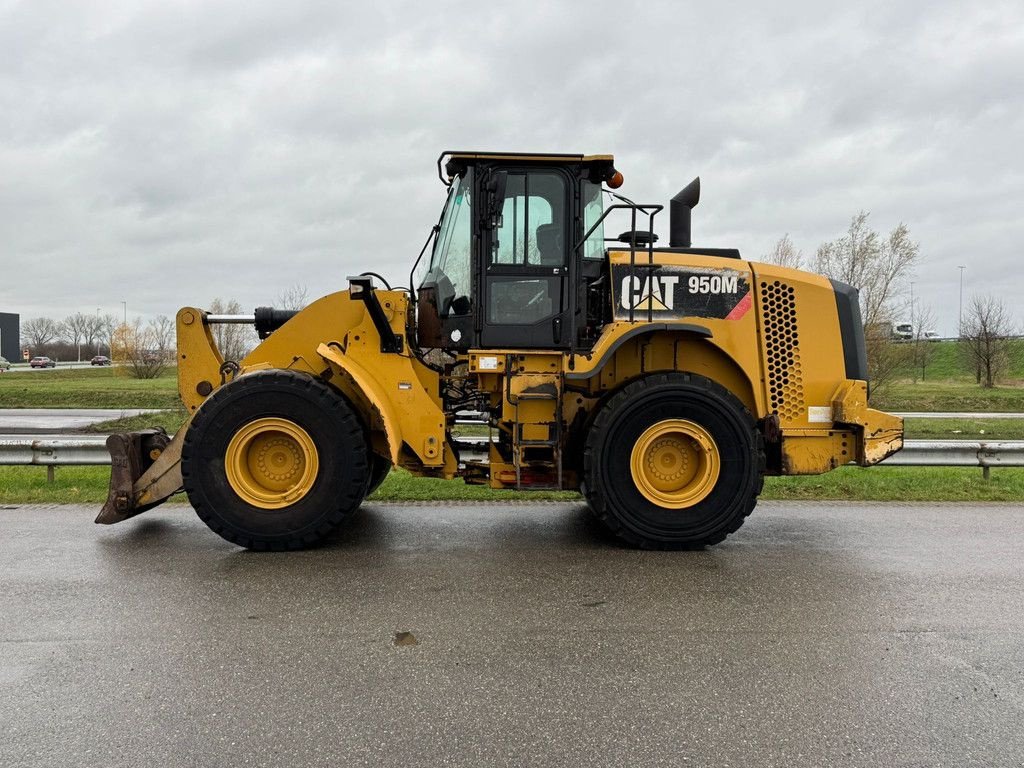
782 351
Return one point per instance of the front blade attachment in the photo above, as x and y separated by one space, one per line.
132 454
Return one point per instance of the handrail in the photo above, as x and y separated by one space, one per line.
650 210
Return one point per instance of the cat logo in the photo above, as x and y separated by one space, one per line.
656 292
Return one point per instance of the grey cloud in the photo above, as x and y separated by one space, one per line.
167 153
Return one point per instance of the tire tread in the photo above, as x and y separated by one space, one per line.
599 504
331 402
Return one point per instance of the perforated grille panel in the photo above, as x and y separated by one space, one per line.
782 351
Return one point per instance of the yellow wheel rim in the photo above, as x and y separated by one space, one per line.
271 463
675 463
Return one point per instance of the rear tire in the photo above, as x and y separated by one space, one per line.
275 460
672 461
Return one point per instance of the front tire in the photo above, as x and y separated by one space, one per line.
275 460
380 468
672 461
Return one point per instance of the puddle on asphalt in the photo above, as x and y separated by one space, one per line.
404 639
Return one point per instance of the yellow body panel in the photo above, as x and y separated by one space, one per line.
199 360
397 395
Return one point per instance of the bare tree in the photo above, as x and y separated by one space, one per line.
94 333
141 351
295 297
38 332
163 335
785 254
888 359
76 328
923 347
108 324
988 326
876 266
234 341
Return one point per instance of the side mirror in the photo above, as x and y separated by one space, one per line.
496 196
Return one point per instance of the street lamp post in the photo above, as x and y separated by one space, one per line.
913 329
124 306
960 317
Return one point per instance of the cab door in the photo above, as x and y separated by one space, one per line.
525 261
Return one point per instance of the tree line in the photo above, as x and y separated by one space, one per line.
72 338
143 349
880 267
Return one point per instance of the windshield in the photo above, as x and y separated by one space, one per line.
450 261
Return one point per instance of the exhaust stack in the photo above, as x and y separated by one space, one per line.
679 214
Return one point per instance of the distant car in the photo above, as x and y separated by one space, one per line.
932 335
42 362
4 365
100 360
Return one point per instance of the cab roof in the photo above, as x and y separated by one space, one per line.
458 159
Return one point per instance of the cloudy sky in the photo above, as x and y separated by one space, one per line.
167 153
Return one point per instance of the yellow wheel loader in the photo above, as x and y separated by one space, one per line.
664 382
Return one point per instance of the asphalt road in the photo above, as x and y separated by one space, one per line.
828 634
50 420
26 368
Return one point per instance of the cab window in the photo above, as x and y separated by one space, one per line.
593 207
531 230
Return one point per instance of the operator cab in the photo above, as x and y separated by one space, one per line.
510 267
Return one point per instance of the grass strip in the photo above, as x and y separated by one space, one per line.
948 396
170 420
88 485
87 388
112 388
964 429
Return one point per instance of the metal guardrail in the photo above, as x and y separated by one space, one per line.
50 452
471 417
478 417
86 450
80 450
961 416
960 453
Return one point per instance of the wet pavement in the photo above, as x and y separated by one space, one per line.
838 634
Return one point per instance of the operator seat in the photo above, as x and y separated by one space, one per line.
550 245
